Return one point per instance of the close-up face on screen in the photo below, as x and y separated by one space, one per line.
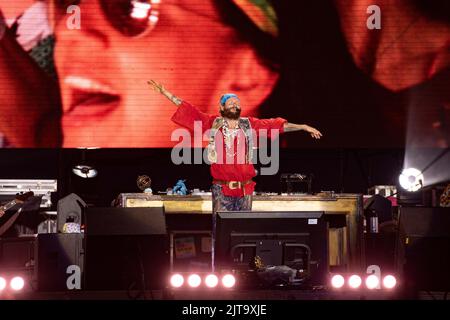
75 73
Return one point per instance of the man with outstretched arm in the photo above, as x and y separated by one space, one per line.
230 146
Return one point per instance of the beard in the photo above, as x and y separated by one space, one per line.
233 115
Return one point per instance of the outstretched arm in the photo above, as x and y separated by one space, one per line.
297 127
186 115
158 87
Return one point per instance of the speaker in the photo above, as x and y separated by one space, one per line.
423 249
126 249
60 261
16 253
70 209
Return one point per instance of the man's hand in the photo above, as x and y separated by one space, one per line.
158 87
316 134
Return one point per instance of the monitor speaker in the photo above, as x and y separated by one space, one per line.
60 260
126 249
423 250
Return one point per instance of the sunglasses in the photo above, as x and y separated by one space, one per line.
130 17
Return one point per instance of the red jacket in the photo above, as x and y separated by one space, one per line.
229 169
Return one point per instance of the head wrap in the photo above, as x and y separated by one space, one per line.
227 96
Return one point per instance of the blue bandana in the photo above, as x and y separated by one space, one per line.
227 96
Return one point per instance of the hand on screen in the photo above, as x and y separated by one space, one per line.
158 87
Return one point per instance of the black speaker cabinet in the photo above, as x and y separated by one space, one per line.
423 250
126 249
16 253
60 261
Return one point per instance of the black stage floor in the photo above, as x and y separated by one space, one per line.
221 295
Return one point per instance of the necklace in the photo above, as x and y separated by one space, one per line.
229 136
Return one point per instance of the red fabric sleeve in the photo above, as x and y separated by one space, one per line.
268 124
187 114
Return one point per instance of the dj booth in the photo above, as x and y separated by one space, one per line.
186 215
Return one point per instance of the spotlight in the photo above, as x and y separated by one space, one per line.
228 281
2 283
389 281
176 280
411 179
354 281
194 280
84 171
211 280
372 282
337 281
17 283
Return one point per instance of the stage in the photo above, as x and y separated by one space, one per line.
230 295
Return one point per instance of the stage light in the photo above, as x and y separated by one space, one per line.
194 280
389 281
211 280
411 179
17 283
337 281
354 281
372 282
85 171
2 283
176 280
228 281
